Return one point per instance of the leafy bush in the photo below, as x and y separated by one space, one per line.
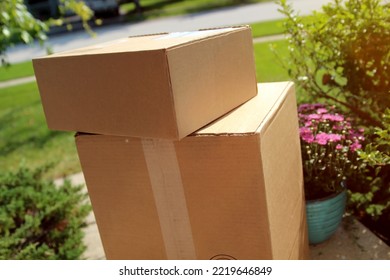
342 54
39 220
371 193
17 24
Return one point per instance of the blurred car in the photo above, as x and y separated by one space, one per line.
104 7
45 9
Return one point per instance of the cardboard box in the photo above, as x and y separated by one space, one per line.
159 86
232 190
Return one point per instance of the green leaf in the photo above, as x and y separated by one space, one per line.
6 32
5 16
26 37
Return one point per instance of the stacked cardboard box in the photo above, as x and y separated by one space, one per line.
159 86
231 189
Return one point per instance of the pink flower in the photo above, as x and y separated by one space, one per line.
308 123
306 134
322 138
355 146
322 111
356 135
335 118
304 107
334 137
310 107
321 124
313 117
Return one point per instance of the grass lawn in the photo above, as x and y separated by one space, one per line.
267 28
18 70
163 8
268 66
24 137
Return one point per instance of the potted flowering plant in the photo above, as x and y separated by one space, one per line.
329 145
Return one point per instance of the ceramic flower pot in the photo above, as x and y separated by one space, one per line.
324 216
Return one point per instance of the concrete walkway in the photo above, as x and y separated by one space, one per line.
17 82
352 241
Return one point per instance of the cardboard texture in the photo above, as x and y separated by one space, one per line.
232 190
158 86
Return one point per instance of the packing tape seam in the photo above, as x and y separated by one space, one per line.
168 191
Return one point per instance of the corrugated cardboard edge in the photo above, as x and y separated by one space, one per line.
168 73
299 248
146 35
195 41
263 125
201 29
225 26
167 187
267 121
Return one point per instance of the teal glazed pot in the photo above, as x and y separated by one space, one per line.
324 216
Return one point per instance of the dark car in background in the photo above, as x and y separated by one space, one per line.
45 9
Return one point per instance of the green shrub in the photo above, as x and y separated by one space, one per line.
342 54
370 193
39 220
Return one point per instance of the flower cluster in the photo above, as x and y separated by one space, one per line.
329 143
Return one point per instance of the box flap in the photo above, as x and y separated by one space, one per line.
251 117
